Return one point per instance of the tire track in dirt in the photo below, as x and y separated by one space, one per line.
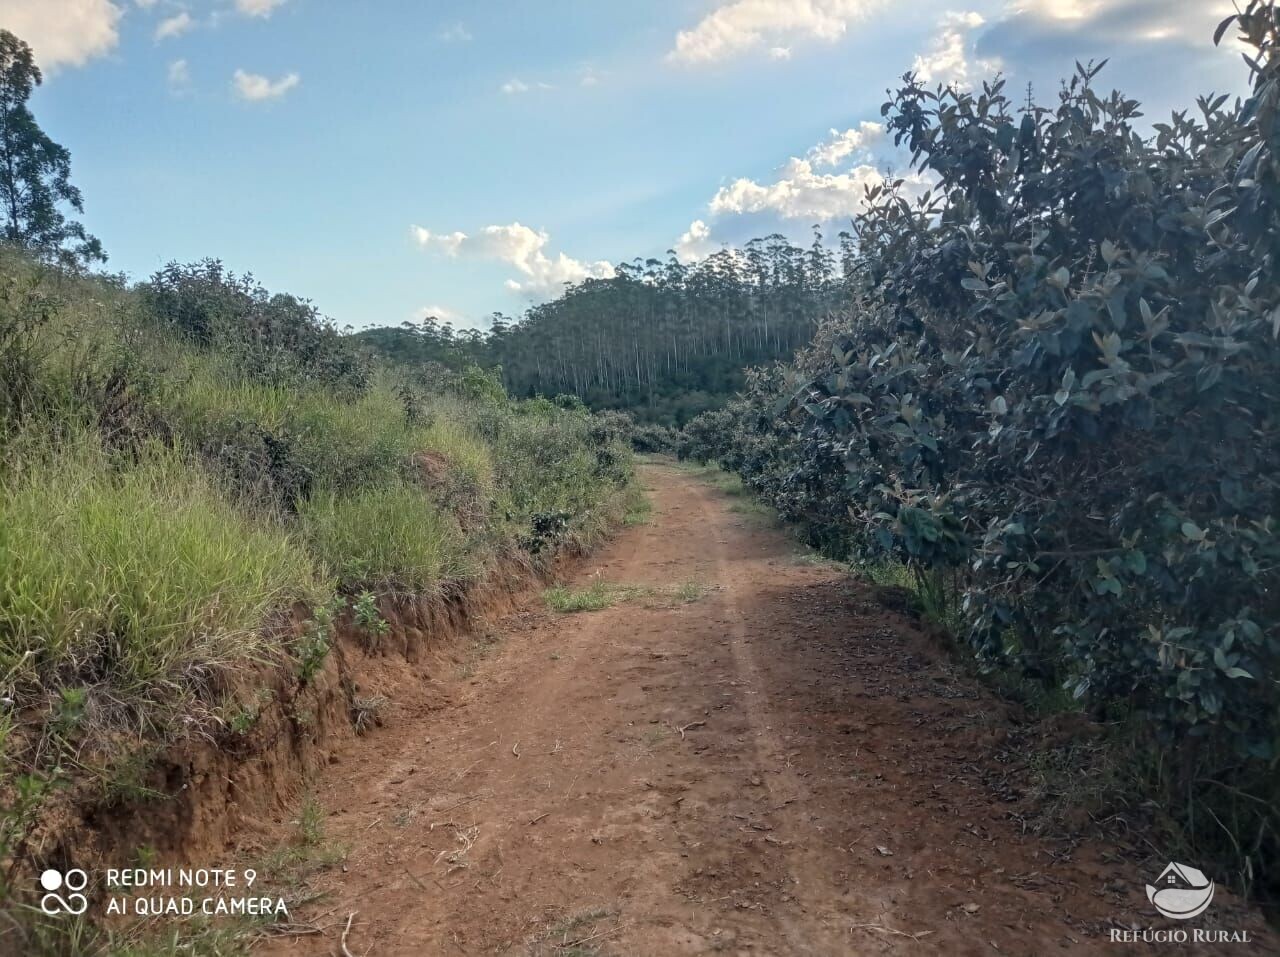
779 767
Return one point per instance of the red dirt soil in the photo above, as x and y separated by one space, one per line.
781 766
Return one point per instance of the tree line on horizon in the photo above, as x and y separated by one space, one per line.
662 339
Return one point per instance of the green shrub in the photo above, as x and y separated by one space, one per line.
652 439
271 337
454 465
547 462
1053 399
365 615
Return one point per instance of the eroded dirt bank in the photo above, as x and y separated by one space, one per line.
779 767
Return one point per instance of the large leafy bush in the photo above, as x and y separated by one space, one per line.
1054 394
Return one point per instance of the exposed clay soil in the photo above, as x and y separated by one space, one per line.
782 766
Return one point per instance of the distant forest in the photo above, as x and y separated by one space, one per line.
661 339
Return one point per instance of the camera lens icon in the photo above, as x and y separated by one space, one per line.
74 881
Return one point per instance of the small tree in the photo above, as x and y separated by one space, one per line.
35 172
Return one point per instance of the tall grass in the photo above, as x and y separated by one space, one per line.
388 538
135 574
467 456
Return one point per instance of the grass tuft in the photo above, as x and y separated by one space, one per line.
594 597
638 507
602 594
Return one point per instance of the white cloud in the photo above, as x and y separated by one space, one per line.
695 243
63 32
588 77
800 193
740 26
947 61
521 247
145 4
179 74
258 8
442 313
455 33
254 86
449 242
516 86
780 53
836 148
174 26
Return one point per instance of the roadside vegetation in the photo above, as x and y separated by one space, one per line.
1050 406
200 482
189 460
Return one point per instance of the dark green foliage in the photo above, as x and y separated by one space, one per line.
424 344
275 338
1054 397
654 439
545 530
35 172
261 466
667 341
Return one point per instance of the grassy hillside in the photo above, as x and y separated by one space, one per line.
186 463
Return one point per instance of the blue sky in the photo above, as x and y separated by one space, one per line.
386 158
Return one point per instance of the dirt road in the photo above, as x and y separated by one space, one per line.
780 766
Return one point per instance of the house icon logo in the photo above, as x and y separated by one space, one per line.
1181 892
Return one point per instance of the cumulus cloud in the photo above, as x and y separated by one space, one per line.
741 26
254 86
780 53
258 8
519 246
695 243
63 32
800 193
948 61
839 146
174 26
